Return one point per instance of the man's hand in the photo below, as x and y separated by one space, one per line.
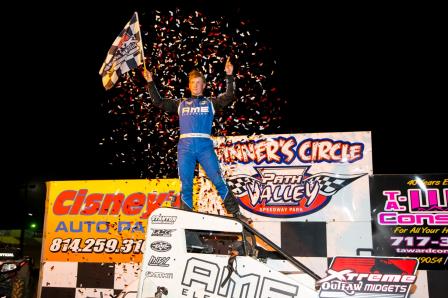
147 75
229 67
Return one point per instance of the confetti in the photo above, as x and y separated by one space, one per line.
144 137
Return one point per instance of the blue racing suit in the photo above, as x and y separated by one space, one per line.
195 144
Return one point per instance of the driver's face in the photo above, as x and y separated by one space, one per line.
197 86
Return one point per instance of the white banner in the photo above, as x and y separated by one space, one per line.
296 177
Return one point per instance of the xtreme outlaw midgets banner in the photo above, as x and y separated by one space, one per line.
410 218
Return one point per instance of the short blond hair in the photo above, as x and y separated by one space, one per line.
196 74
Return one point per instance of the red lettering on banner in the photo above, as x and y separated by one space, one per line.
275 150
92 204
72 202
134 203
326 150
58 207
286 148
78 201
116 199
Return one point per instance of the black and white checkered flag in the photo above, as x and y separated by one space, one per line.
125 53
331 183
238 184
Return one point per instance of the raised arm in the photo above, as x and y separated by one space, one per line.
167 104
227 97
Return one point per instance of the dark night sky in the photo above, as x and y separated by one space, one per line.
341 68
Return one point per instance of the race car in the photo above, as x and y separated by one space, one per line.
190 254
15 273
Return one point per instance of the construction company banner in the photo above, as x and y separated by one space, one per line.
102 221
410 218
296 177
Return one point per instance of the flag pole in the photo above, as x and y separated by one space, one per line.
141 42
138 152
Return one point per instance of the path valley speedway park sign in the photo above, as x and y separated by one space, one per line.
296 176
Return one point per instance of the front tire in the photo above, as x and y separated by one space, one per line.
20 283
18 288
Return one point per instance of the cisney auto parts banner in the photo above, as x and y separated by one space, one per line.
298 177
101 221
410 218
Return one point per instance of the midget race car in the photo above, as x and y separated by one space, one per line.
15 273
190 254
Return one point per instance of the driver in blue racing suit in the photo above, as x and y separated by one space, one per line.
195 144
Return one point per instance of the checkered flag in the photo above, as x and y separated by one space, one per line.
238 185
331 183
125 53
